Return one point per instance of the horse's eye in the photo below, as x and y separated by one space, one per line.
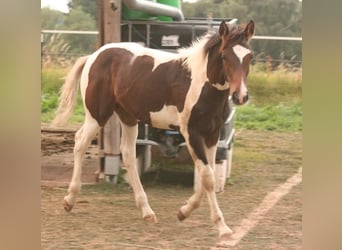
223 57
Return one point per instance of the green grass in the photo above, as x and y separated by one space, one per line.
271 117
282 86
52 81
275 99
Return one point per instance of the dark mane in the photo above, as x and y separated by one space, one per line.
213 41
236 35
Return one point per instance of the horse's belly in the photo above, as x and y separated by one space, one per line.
165 118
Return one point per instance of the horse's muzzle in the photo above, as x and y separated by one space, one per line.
239 100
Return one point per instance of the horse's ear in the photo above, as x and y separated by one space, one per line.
249 30
224 30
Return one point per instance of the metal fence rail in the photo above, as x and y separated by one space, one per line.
84 32
128 26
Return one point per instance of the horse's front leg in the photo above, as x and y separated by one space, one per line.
128 150
216 215
203 157
193 202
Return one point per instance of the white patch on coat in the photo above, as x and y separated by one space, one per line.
196 61
221 87
165 117
137 50
241 52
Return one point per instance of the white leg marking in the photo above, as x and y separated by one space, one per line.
82 139
268 202
128 150
241 52
195 200
209 183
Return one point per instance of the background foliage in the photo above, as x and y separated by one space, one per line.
272 17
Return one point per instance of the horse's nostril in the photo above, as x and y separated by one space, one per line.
235 96
245 98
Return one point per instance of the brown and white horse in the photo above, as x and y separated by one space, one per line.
188 90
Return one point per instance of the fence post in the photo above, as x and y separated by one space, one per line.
109 31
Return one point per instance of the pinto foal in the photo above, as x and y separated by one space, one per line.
188 90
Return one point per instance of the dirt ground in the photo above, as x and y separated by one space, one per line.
57 158
105 215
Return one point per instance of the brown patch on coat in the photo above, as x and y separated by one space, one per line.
207 118
133 90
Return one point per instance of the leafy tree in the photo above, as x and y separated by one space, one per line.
272 17
77 19
51 19
88 6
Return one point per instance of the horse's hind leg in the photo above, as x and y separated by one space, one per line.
82 139
128 150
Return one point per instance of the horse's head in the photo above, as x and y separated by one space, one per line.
229 59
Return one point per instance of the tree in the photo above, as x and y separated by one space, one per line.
77 19
51 19
87 6
272 17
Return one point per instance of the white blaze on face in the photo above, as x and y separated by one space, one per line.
241 52
243 89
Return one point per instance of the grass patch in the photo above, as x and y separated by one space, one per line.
271 117
283 85
52 81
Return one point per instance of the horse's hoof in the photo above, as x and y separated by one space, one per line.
226 236
181 216
67 206
225 240
151 218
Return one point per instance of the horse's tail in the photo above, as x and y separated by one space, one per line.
68 93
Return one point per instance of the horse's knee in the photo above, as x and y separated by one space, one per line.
128 159
208 178
78 134
79 148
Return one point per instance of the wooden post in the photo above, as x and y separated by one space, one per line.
112 21
110 31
